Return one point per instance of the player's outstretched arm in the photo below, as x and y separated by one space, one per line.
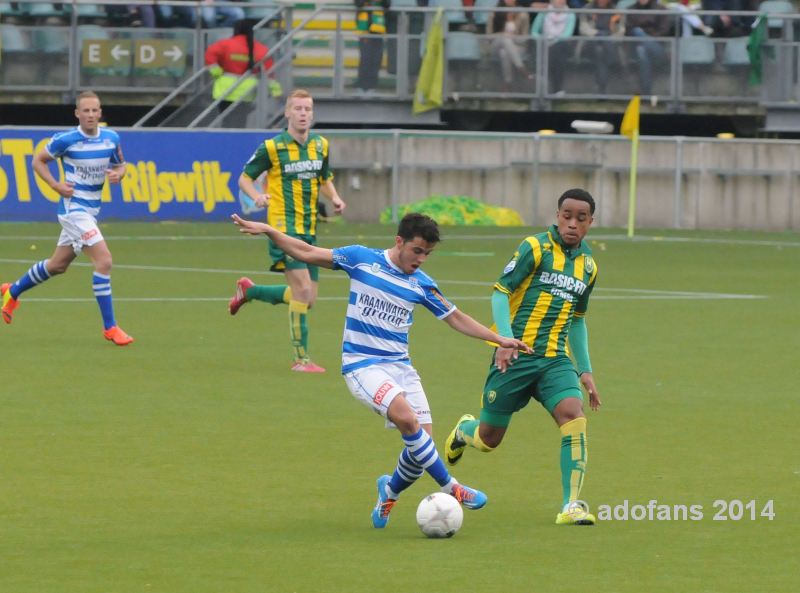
461 322
295 248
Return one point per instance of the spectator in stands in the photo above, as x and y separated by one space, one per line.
142 15
689 22
509 30
229 58
725 25
371 24
177 16
603 25
648 27
212 12
416 25
556 24
220 15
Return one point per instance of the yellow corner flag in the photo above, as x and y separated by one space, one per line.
630 128
630 121
428 94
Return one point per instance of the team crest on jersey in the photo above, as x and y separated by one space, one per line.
546 246
280 145
319 144
413 283
588 264
510 266
491 396
376 267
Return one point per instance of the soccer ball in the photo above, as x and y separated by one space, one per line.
439 515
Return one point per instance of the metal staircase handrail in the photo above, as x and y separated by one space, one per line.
191 80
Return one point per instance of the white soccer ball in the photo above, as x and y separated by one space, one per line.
439 515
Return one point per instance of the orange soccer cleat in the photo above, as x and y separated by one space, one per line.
9 302
116 335
306 366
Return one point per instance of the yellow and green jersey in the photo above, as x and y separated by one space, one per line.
294 173
547 285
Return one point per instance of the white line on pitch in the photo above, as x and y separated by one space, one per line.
455 299
599 237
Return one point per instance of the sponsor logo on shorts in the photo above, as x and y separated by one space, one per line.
381 393
491 396
89 234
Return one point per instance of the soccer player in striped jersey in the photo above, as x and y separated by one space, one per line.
296 163
385 285
90 154
541 298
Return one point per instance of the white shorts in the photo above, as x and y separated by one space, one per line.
79 229
377 385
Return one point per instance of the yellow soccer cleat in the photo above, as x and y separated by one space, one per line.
453 446
577 513
9 302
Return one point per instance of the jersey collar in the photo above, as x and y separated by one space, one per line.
556 237
390 263
289 138
85 135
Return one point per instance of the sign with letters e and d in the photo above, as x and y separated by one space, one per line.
160 54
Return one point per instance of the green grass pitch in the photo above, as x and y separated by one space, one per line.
193 461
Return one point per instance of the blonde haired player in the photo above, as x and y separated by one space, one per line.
297 170
90 156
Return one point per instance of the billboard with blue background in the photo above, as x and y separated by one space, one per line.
171 175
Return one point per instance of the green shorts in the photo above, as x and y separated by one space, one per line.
282 262
547 380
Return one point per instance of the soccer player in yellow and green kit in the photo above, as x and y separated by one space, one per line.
296 166
541 299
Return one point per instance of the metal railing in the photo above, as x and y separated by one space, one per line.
690 70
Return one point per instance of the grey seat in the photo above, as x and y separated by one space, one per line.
18 61
696 50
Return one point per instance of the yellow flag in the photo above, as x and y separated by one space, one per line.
428 94
630 121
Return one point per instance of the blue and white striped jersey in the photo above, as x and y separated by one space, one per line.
380 309
85 161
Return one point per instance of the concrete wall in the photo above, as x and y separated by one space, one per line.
682 182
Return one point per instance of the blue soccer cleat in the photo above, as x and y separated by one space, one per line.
468 497
380 514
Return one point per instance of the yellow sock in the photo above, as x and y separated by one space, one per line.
471 435
298 329
573 458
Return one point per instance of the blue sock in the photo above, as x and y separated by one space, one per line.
423 451
35 275
406 473
101 284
